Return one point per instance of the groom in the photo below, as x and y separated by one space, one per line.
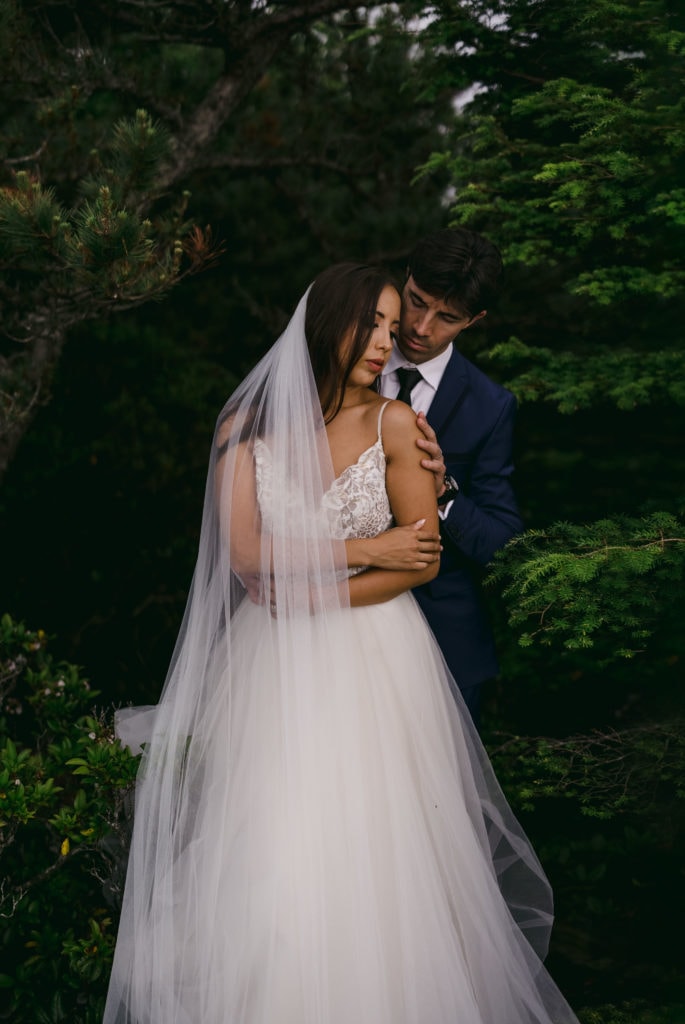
452 277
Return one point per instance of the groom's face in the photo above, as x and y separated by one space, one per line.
428 324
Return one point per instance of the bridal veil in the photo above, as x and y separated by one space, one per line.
221 879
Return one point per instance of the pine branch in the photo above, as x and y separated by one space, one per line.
578 380
571 586
100 256
606 772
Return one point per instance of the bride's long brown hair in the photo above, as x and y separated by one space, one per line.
342 299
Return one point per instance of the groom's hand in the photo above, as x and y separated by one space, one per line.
434 461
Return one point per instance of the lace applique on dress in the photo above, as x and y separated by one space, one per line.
355 505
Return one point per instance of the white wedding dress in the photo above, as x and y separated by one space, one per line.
341 862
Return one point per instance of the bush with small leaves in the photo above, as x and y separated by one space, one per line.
64 781
633 1013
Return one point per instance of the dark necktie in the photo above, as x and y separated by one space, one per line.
408 378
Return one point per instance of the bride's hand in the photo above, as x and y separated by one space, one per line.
404 547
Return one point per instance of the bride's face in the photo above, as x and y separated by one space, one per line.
384 334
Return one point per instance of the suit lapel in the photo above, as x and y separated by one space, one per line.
450 394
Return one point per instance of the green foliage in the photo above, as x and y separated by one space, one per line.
570 156
115 115
634 1012
63 781
605 773
298 176
580 167
68 262
574 381
608 578
100 245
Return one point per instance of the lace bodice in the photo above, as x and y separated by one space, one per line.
355 505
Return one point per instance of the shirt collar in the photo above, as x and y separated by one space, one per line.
431 371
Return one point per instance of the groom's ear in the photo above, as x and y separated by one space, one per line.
478 316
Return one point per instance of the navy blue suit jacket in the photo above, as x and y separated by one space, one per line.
474 419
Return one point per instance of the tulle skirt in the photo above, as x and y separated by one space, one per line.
342 850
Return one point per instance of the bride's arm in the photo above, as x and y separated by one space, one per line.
405 547
237 506
410 547
408 554
411 493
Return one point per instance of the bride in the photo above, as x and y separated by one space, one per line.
319 837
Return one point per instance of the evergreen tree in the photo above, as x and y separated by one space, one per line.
111 111
570 155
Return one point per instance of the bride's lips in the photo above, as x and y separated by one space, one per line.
376 365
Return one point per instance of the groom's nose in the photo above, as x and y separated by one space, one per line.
422 324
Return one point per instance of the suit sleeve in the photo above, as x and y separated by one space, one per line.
482 519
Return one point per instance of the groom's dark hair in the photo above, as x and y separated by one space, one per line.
341 306
458 266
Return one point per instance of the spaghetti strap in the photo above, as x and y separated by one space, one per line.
380 417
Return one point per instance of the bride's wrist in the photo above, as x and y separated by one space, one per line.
358 553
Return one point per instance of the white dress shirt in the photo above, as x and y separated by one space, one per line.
423 392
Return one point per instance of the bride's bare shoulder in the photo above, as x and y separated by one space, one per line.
398 419
234 431
399 431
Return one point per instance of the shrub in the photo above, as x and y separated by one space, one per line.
64 782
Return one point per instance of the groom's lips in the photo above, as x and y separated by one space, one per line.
413 344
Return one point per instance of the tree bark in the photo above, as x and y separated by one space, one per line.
248 60
251 41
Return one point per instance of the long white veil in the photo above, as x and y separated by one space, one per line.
265 549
